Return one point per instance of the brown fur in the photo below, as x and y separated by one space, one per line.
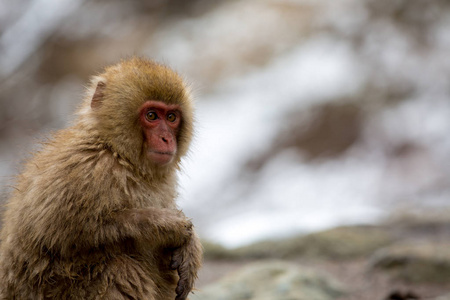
91 217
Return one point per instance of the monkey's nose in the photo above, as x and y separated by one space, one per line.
166 139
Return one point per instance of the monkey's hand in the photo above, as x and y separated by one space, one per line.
187 260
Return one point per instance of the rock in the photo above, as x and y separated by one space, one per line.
399 295
444 297
326 131
415 262
273 280
347 242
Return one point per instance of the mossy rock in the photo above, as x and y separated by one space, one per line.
346 242
425 223
415 262
216 251
273 280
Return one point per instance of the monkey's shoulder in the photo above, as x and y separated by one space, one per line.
87 172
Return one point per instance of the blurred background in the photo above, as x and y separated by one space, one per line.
322 134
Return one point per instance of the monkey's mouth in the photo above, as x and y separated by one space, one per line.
160 157
162 152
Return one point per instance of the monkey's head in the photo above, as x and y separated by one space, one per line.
143 111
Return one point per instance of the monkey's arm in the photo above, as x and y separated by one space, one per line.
157 227
170 229
161 227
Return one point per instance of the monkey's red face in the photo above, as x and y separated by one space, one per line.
160 123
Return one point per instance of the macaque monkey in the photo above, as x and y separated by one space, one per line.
93 215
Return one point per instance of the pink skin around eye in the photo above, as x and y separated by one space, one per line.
160 133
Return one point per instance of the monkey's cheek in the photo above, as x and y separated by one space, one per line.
160 158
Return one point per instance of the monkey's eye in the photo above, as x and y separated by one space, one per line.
171 117
151 116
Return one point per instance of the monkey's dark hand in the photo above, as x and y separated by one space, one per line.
187 260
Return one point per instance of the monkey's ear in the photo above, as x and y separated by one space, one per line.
97 99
